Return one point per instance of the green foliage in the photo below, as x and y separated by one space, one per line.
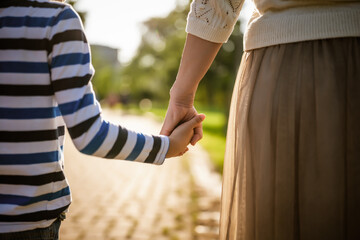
152 71
106 80
215 146
104 59
216 87
214 139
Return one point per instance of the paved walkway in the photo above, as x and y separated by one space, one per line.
124 200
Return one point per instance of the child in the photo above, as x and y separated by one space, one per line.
45 73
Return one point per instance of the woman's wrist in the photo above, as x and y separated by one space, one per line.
196 59
182 96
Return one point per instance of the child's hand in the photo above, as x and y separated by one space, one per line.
181 136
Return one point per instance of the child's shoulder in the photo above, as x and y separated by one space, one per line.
50 11
34 4
50 4
42 7
59 9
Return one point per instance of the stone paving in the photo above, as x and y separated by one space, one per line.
125 200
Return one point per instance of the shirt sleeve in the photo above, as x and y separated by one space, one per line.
213 20
71 73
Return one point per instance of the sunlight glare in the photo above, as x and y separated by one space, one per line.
117 23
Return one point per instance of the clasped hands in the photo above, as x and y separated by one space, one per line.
183 125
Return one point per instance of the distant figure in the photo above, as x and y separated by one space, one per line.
45 73
292 164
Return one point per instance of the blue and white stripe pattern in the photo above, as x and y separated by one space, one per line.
45 73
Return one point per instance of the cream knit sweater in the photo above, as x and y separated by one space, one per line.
276 21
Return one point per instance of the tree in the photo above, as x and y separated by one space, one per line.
153 69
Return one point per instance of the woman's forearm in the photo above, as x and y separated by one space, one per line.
197 57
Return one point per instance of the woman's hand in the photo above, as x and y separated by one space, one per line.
197 57
181 136
177 114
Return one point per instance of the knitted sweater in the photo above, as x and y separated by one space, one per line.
276 21
45 73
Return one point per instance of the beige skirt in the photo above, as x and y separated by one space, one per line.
292 164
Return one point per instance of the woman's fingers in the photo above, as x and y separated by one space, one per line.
175 115
167 127
170 123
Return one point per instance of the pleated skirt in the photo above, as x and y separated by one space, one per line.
292 164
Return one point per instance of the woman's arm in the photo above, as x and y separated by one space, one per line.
210 23
197 57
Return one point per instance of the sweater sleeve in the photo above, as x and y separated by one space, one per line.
213 20
71 73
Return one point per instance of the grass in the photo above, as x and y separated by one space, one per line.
214 136
213 130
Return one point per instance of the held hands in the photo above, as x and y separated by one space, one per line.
181 136
182 123
198 54
178 113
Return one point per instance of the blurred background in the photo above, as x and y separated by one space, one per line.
136 49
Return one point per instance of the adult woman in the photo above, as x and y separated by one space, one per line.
292 168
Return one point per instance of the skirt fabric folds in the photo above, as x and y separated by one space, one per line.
292 164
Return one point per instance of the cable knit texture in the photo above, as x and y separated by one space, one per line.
212 19
275 21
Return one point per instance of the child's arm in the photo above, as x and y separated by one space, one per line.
71 72
181 136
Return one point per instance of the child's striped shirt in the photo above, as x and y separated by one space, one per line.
45 73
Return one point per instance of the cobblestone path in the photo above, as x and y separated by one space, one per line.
124 200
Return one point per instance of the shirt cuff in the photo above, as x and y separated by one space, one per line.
205 31
165 143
